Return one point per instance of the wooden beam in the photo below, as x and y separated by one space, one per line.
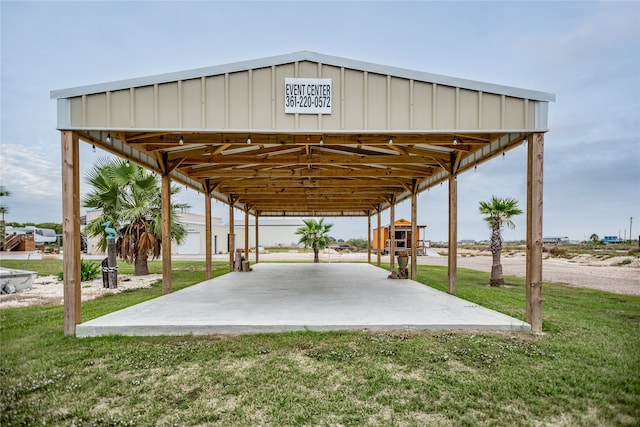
207 226
452 264
330 205
76 222
280 187
309 207
133 138
246 232
318 196
232 233
71 231
340 196
315 190
379 251
398 171
166 233
535 172
203 152
257 237
315 159
392 233
311 204
306 138
414 237
316 183
369 237
173 165
528 238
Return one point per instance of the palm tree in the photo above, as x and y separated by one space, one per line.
314 235
4 209
594 238
499 213
130 198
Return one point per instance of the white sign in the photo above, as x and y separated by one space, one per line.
307 96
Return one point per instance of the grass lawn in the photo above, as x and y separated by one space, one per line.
584 371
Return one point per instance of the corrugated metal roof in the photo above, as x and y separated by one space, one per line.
224 131
304 56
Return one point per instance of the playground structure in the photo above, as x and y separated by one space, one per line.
403 238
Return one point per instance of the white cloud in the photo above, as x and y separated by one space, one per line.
585 52
30 170
32 175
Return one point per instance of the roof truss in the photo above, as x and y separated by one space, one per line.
307 174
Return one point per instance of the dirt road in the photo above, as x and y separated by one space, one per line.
610 278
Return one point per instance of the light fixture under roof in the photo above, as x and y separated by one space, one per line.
455 141
181 142
321 140
391 140
109 138
249 139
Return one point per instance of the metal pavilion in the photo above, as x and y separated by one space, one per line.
303 134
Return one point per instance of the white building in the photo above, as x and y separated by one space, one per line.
273 232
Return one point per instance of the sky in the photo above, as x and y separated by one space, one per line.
586 53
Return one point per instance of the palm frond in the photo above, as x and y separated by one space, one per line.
130 197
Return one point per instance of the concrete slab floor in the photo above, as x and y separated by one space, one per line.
292 297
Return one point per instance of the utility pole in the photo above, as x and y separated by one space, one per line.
630 230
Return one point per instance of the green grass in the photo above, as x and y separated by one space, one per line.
583 371
51 267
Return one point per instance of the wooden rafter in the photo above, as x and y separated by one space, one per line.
292 172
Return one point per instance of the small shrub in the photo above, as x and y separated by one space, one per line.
51 249
558 252
88 271
634 252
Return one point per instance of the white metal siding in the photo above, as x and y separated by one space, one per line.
190 245
254 100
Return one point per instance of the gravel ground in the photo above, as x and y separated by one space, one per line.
586 272
47 290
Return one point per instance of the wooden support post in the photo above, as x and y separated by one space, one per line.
535 173
392 234
369 237
232 235
528 237
453 234
71 231
112 264
246 233
166 233
207 226
257 237
414 235
379 238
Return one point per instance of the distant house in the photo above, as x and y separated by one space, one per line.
467 242
555 240
611 239
28 238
